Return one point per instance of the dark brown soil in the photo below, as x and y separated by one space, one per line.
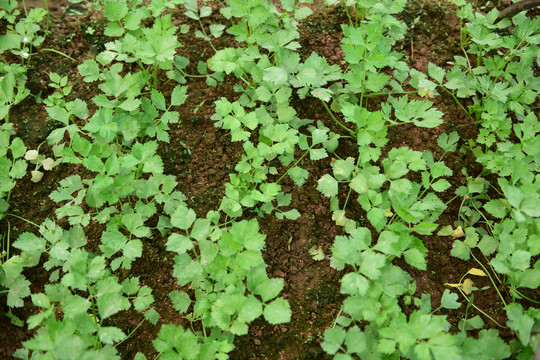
201 156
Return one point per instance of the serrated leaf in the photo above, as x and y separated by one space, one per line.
496 208
179 243
270 289
436 72
179 95
460 250
449 300
333 338
183 217
277 312
110 334
180 301
328 185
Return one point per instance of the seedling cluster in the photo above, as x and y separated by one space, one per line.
218 257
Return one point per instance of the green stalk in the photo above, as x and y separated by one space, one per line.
131 333
296 162
480 310
60 53
336 120
47 27
205 34
21 218
490 278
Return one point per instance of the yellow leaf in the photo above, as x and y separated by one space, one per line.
388 213
339 217
466 286
477 272
458 232
453 285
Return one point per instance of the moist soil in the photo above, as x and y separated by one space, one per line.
201 157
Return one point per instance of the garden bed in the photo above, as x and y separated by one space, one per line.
347 205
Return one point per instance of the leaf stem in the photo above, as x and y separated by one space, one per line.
21 218
131 333
480 310
336 120
490 278
525 297
295 163
59 53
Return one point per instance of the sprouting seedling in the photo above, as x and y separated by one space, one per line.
34 157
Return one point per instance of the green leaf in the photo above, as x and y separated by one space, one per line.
333 338
110 334
30 243
416 258
18 149
512 193
520 321
152 316
298 175
496 208
270 289
179 95
158 100
460 250
372 262
425 228
343 169
448 142
130 104
277 312
19 290
180 300
111 303
440 185
328 185
183 217
520 260
179 243
41 300
449 300
436 72
354 284
89 69
275 75
115 10
302 13
251 309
